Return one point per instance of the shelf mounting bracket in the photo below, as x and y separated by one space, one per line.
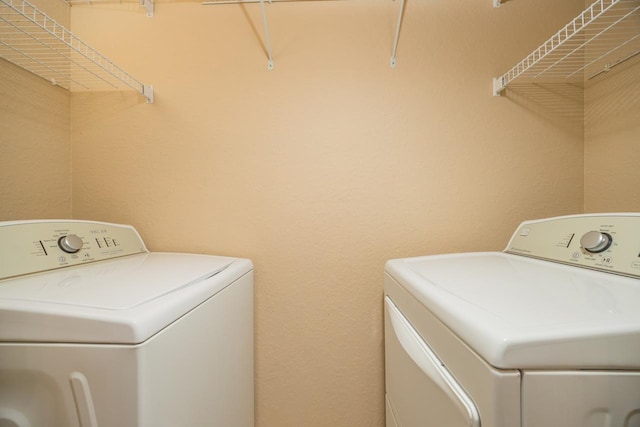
395 42
147 92
498 86
148 5
266 35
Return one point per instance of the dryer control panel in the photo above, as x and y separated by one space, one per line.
606 242
41 245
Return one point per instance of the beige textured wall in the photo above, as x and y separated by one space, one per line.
324 168
35 140
612 140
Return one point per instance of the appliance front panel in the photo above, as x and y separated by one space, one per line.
420 389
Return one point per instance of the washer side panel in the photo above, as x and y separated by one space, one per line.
199 371
36 384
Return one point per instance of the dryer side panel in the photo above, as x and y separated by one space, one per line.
420 390
581 399
495 392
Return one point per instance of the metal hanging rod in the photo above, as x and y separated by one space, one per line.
266 35
607 32
265 23
266 26
608 66
32 40
395 42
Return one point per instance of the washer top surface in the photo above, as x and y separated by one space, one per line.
521 312
120 284
123 300
103 293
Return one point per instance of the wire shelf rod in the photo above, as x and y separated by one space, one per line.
604 32
41 45
599 58
56 50
397 37
266 35
264 18
589 40
44 67
609 66
545 49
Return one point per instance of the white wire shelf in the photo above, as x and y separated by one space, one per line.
34 41
604 35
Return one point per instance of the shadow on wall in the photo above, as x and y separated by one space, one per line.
559 103
254 29
102 105
613 103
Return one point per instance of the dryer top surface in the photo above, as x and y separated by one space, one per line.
519 312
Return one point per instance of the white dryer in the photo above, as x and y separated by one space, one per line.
97 331
544 334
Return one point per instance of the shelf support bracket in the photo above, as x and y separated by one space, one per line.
147 91
497 3
395 42
148 5
266 35
498 86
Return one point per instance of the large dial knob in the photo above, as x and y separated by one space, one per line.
596 241
70 243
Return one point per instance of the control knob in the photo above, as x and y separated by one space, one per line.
596 241
70 243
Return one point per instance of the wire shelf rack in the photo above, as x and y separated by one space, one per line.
34 41
604 35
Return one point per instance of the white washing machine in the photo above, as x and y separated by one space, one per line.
544 334
97 331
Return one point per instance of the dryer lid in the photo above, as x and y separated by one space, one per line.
123 300
519 312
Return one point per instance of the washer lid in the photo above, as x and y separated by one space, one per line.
518 312
119 285
124 300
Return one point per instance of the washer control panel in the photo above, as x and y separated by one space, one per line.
41 245
606 242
